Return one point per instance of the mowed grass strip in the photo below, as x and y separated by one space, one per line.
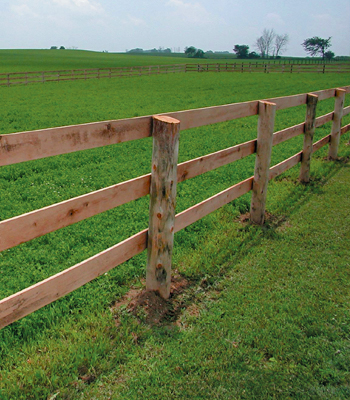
73 342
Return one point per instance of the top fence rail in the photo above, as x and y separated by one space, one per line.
25 78
33 145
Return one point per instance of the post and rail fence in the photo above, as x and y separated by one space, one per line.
25 78
161 184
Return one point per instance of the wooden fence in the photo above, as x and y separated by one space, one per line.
25 78
160 184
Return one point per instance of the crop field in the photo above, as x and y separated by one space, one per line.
48 352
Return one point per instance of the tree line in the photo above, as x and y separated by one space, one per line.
272 45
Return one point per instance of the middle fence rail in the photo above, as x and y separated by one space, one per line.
160 183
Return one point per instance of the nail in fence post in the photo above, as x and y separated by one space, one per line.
309 131
336 126
267 112
166 132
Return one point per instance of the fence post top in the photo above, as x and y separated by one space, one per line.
340 90
166 119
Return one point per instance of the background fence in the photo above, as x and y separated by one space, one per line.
160 184
25 78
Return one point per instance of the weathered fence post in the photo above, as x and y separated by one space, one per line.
266 123
309 131
166 132
336 126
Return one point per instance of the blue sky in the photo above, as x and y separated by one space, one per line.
207 24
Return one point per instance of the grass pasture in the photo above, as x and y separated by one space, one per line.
53 60
253 320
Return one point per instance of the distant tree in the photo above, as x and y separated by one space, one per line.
137 50
241 50
264 43
190 51
316 46
62 48
53 48
193 52
329 55
281 42
199 53
253 55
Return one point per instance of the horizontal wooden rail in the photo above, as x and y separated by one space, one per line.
26 146
324 119
345 129
285 165
37 223
346 111
288 133
25 227
37 296
320 143
212 204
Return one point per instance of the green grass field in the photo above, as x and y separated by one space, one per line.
253 309
52 60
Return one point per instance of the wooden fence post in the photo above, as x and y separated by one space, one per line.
336 126
267 112
309 131
166 132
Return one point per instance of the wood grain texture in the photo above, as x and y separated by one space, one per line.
200 210
345 129
166 133
37 296
346 111
266 122
285 165
288 133
320 143
336 125
212 115
323 119
190 169
25 146
25 227
309 127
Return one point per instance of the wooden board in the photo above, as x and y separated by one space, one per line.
288 101
37 223
322 142
346 111
200 210
212 115
283 166
345 129
25 146
288 133
37 296
323 119
200 165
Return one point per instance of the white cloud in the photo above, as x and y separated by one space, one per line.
322 18
81 6
134 21
23 10
274 19
189 12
